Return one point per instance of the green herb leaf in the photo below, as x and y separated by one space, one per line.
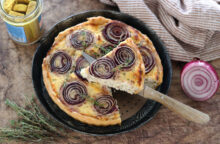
119 67
92 100
141 43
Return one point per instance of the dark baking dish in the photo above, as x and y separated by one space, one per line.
143 115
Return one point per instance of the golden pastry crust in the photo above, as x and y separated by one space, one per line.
54 81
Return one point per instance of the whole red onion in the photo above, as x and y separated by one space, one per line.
199 80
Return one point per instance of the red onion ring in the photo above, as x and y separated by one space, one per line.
105 104
81 63
124 56
148 58
115 32
66 63
81 39
199 80
74 93
102 68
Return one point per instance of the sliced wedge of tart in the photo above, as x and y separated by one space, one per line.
122 68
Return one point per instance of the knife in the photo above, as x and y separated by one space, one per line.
174 105
88 58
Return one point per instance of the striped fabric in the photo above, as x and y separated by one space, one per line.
189 28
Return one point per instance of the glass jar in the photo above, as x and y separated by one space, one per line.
25 29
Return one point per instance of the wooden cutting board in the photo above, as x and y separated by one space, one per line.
165 128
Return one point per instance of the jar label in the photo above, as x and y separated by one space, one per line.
16 33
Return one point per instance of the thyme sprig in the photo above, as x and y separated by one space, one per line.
83 34
106 50
141 43
31 125
120 66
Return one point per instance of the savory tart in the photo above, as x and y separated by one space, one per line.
122 68
90 102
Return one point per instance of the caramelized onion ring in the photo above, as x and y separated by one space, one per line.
81 39
74 93
148 58
102 68
115 32
105 104
81 63
66 63
125 57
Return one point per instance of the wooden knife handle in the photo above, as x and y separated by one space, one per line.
181 109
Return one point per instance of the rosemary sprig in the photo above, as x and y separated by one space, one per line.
31 125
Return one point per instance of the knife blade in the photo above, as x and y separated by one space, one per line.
88 58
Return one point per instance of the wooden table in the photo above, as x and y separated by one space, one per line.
165 128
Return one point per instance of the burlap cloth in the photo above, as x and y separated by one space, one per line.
189 28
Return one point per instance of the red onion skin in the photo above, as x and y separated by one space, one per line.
81 46
113 108
95 74
153 62
119 24
208 66
118 61
71 86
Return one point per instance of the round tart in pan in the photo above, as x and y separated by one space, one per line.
91 102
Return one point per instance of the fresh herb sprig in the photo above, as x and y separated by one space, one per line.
141 43
84 44
92 100
83 38
31 125
103 49
120 66
106 50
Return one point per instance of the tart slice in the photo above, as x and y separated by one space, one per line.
122 68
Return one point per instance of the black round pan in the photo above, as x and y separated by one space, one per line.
144 113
